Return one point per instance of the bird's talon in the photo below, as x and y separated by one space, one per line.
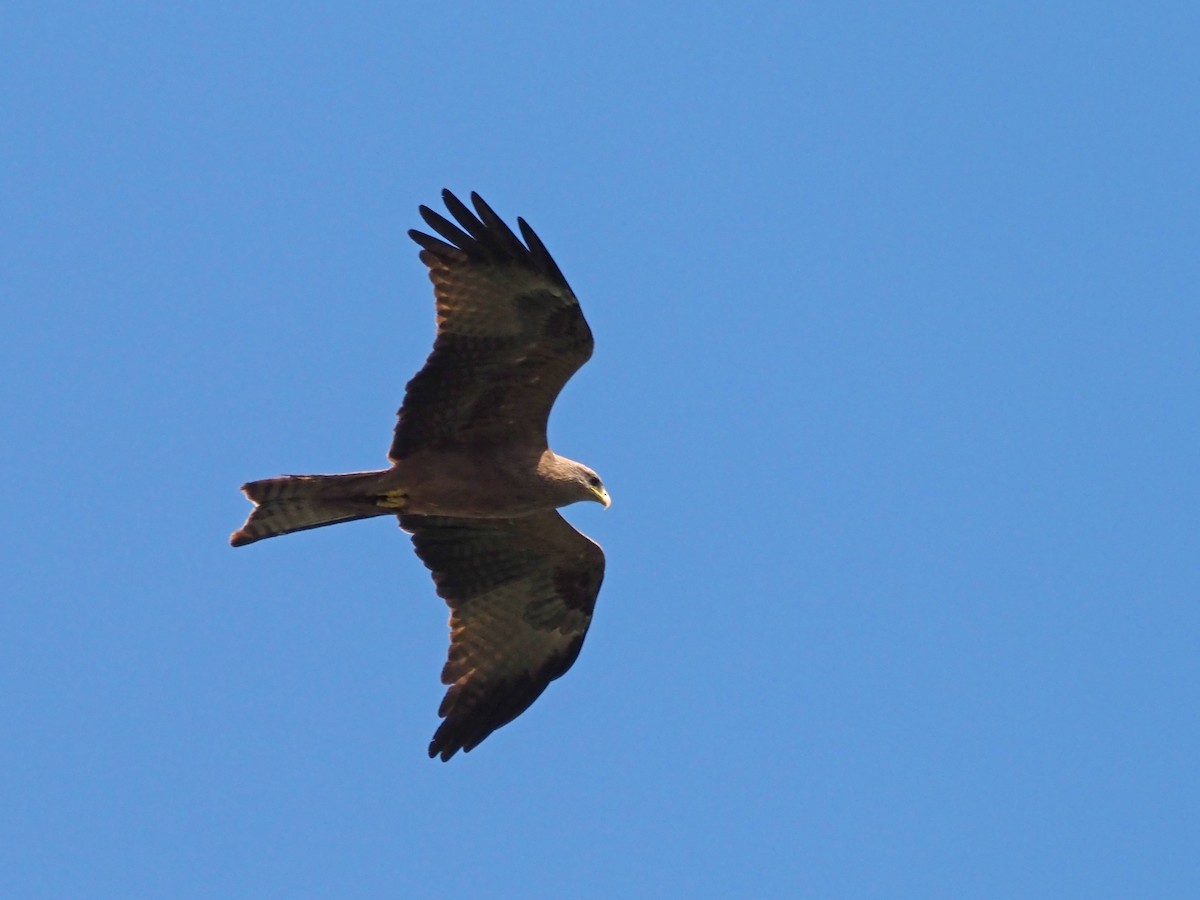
396 499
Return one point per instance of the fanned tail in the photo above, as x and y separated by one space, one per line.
299 502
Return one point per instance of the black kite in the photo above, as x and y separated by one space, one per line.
472 477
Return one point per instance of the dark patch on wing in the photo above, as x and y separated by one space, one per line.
577 587
510 334
521 593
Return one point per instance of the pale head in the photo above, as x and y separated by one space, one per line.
574 482
592 487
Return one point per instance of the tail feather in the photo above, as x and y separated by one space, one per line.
299 502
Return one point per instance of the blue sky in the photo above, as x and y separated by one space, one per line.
895 391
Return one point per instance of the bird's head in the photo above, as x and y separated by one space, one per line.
592 487
572 482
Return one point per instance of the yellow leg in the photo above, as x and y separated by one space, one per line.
397 499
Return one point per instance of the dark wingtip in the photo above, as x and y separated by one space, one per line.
480 204
452 236
482 234
430 244
436 749
537 250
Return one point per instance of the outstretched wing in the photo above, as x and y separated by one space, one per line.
521 593
509 334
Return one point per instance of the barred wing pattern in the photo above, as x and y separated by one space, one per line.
521 593
510 334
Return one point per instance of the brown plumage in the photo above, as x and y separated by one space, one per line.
472 476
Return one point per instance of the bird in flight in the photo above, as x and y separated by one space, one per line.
472 477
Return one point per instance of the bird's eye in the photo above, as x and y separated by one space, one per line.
593 481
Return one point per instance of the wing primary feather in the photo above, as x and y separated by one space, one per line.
484 235
450 231
466 218
438 248
541 256
498 230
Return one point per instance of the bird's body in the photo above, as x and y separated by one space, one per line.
428 483
520 481
472 477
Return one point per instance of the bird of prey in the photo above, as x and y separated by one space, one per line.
472 477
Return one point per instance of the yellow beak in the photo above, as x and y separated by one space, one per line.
602 496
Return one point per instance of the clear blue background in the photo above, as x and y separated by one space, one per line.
898 348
